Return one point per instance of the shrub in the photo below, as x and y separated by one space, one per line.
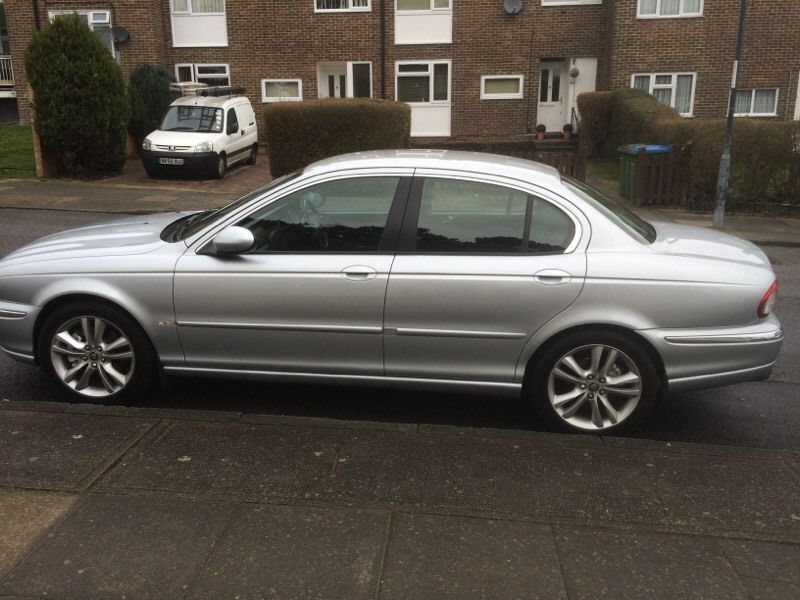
79 98
150 96
299 133
595 111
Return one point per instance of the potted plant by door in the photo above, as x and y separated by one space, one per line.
540 130
567 129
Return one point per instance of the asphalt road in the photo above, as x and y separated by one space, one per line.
761 415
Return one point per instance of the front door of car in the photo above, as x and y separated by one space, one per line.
481 267
309 296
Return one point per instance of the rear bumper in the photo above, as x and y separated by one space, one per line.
16 330
704 358
194 163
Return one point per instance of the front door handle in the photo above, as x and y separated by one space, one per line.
359 273
552 277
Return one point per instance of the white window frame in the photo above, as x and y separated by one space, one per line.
430 74
424 11
570 2
195 14
513 96
193 67
271 99
657 15
753 91
350 8
90 21
671 86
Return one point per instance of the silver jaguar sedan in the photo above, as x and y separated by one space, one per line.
421 269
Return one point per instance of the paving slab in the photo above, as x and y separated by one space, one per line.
286 552
24 517
121 547
60 451
243 461
606 564
462 558
764 561
760 589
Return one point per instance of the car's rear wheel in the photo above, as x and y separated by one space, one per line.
594 382
251 160
96 353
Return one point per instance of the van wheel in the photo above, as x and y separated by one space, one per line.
222 166
251 160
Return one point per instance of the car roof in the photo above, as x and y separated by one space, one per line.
455 160
213 101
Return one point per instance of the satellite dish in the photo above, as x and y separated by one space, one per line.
512 7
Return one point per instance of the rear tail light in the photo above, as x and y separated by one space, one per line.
768 301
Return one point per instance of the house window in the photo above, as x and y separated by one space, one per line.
673 89
98 21
281 90
198 7
657 9
423 22
342 5
756 103
501 87
569 2
404 5
199 73
423 82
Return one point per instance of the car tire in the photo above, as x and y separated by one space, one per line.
594 381
117 364
222 167
251 160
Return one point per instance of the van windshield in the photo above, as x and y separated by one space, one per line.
202 119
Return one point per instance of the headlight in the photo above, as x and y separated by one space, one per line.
146 145
204 147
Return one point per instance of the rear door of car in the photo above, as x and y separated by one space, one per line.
310 296
482 264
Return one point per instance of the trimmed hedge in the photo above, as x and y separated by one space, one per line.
150 96
79 97
300 133
766 153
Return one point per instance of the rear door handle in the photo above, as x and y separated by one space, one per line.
552 277
359 273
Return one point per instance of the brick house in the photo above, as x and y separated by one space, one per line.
469 68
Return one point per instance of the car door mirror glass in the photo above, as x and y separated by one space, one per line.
233 240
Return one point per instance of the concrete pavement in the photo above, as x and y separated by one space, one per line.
114 502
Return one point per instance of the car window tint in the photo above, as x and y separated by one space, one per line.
481 218
346 215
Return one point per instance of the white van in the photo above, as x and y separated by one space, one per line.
203 134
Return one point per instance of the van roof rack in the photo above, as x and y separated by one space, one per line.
222 90
187 88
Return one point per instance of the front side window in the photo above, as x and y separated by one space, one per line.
346 215
756 102
198 7
669 8
342 5
424 82
406 5
673 89
480 218
199 119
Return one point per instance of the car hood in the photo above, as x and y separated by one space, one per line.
686 240
122 237
179 138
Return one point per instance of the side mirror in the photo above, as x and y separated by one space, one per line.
234 240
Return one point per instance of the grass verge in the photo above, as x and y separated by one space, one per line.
16 151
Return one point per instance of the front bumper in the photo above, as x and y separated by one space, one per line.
703 358
16 330
194 163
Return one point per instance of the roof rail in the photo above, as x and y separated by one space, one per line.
187 88
222 90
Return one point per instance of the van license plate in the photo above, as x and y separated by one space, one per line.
170 161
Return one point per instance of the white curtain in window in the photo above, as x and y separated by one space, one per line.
180 5
764 103
642 82
691 6
742 103
413 4
208 6
663 95
647 7
332 4
683 94
670 7
282 89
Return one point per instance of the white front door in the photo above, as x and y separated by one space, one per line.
552 97
332 80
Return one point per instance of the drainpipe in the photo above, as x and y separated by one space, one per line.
36 19
383 49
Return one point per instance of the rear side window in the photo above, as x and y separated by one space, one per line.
233 122
480 218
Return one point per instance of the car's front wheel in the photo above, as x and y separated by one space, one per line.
96 353
594 382
222 166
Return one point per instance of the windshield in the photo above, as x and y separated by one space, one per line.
202 119
612 209
198 221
